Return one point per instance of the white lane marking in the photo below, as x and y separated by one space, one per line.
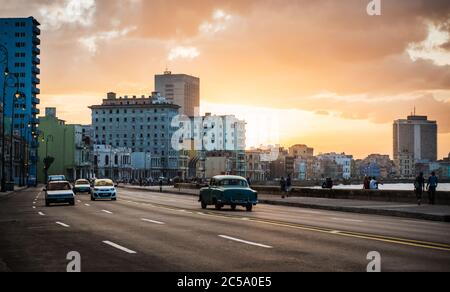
40 213
153 221
78 201
63 224
119 247
87 205
245 241
345 219
335 232
106 211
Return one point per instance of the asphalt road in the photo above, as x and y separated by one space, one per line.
146 231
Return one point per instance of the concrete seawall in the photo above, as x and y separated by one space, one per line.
442 198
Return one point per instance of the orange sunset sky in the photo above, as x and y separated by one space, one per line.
322 72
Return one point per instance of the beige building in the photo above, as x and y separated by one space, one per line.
181 89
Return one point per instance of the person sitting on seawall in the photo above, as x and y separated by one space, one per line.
432 186
366 183
374 184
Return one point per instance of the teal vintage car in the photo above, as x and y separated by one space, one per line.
227 190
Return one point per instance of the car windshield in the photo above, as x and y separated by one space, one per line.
233 182
56 177
59 186
104 183
82 182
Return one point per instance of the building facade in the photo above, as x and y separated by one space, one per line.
71 151
19 60
182 90
334 165
415 138
141 124
112 162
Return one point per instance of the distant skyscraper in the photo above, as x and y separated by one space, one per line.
20 37
181 89
414 139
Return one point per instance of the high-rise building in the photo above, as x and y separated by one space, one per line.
181 89
142 124
19 60
414 139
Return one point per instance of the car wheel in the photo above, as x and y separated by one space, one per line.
114 199
204 205
92 198
47 203
72 202
218 206
249 207
233 207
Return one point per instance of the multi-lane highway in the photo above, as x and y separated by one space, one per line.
146 231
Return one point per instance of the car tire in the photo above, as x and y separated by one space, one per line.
249 207
72 202
114 199
47 203
218 207
204 205
92 198
233 207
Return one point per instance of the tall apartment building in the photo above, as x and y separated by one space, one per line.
414 139
142 124
19 60
181 89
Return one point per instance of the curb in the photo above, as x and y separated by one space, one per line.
381 212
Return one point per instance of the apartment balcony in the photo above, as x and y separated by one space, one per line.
36 51
36 100
36 90
36 31
36 61
36 70
35 111
36 41
36 80
34 121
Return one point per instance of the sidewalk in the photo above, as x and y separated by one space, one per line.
406 210
16 189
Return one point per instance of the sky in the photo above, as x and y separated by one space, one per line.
322 73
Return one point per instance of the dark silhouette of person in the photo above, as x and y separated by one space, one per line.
419 185
432 186
283 187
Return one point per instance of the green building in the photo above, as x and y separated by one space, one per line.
66 144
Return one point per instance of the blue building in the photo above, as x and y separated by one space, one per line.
19 60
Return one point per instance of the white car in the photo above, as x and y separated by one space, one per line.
104 189
59 192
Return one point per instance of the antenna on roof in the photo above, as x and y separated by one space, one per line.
167 72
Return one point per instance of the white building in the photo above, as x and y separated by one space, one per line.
113 163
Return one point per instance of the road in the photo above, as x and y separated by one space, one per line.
145 231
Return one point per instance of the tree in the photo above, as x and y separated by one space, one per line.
48 161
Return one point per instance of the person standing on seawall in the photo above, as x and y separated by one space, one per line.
432 186
419 185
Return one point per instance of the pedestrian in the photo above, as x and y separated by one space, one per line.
419 185
373 183
432 186
288 185
160 186
366 183
249 181
283 187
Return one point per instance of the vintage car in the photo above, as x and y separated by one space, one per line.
104 189
82 186
228 190
59 192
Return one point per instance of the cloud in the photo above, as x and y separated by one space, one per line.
91 42
434 48
181 52
74 12
220 21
